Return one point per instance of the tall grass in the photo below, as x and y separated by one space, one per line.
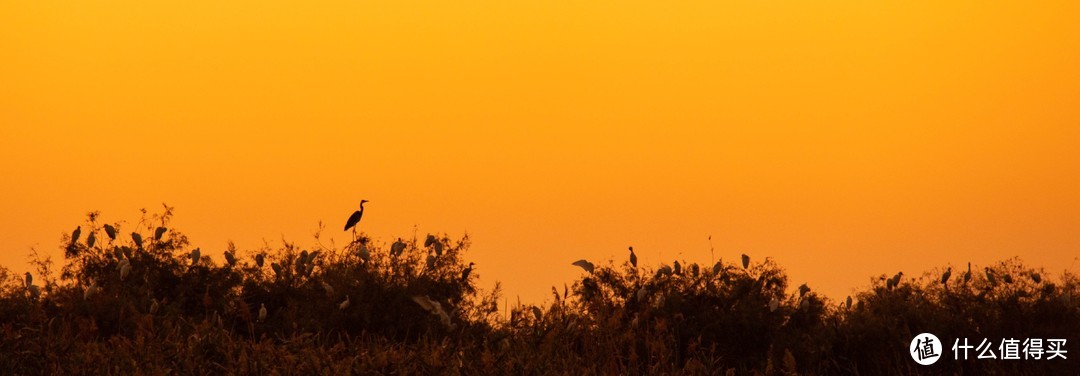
174 314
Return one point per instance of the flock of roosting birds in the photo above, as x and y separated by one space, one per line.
305 264
890 283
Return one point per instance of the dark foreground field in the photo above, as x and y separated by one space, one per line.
147 306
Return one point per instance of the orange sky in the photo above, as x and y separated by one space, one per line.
843 139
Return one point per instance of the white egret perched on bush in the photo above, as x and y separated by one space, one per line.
89 291
745 261
137 238
633 257
90 240
584 264
262 311
774 303
125 268
75 235
354 219
945 277
344 304
423 301
158 232
110 231
365 254
435 308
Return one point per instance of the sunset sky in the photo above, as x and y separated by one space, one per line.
842 139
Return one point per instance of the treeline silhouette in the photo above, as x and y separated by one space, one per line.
149 303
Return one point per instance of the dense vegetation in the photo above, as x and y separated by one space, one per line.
142 300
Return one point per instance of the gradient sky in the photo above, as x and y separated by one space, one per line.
843 139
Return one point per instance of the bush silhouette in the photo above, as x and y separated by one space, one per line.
403 306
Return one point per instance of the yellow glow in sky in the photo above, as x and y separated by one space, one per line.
842 139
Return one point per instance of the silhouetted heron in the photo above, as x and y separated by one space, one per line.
678 268
344 304
397 248
29 279
1036 277
230 258
75 234
355 217
849 302
990 276
34 290
745 261
633 257
896 279
803 289
967 275
945 277
259 259
110 231
195 256
137 238
90 240
465 273
158 232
